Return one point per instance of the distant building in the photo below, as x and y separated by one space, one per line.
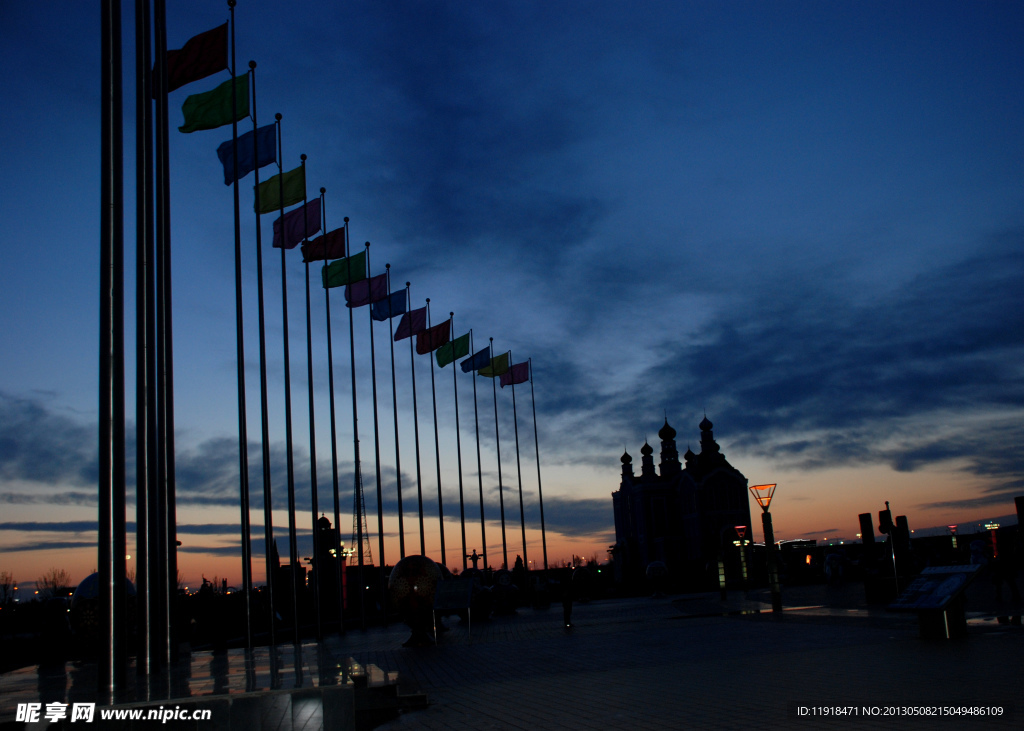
684 516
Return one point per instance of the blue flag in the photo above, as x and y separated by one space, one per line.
267 144
480 359
392 306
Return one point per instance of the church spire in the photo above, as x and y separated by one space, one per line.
669 455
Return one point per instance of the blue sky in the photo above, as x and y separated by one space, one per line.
801 218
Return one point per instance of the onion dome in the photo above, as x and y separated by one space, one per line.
689 454
625 458
323 523
705 424
667 433
647 450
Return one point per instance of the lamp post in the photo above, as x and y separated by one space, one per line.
741 531
763 494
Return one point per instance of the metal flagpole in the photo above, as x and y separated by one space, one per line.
479 467
112 541
458 445
167 538
376 443
415 424
519 472
144 327
334 432
536 448
394 402
437 445
243 438
358 489
501 487
315 503
293 551
268 507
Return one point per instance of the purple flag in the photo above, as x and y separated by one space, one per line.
366 291
412 322
519 373
293 221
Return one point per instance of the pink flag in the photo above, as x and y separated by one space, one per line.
519 373
412 322
366 291
293 225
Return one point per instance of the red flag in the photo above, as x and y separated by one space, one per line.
519 373
329 246
412 323
201 56
432 339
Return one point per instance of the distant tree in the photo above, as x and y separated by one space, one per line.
55 582
7 587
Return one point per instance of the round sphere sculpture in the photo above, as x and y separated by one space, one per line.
413 584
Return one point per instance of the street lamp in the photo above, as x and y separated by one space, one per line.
763 494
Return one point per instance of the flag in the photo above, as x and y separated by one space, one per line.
451 352
480 359
392 306
212 109
366 291
266 143
412 323
201 56
308 216
294 184
498 366
434 338
519 373
329 246
345 271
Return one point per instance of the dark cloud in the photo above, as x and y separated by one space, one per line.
38 445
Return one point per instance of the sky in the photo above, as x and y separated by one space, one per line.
801 219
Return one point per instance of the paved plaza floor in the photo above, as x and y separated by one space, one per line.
682 662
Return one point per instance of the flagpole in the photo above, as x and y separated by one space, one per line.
111 518
519 472
376 443
536 448
144 327
501 488
167 538
458 446
394 401
293 550
268 507
315 504
479 466
358 489
416 425
437 446
243 438
334 432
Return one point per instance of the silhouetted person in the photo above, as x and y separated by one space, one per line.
567 602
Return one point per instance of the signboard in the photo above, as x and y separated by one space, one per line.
935 587
453 594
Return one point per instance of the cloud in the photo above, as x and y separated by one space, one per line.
38 445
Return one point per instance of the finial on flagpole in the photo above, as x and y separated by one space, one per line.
278 116
232 3
387 266
303 157
408 283
451 314
346 219
367 244
428 300
252 64
323 190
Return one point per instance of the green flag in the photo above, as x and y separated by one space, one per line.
345 271
270 190
212 109
498 366
453 350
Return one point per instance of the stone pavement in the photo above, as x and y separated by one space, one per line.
643 664
684 662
